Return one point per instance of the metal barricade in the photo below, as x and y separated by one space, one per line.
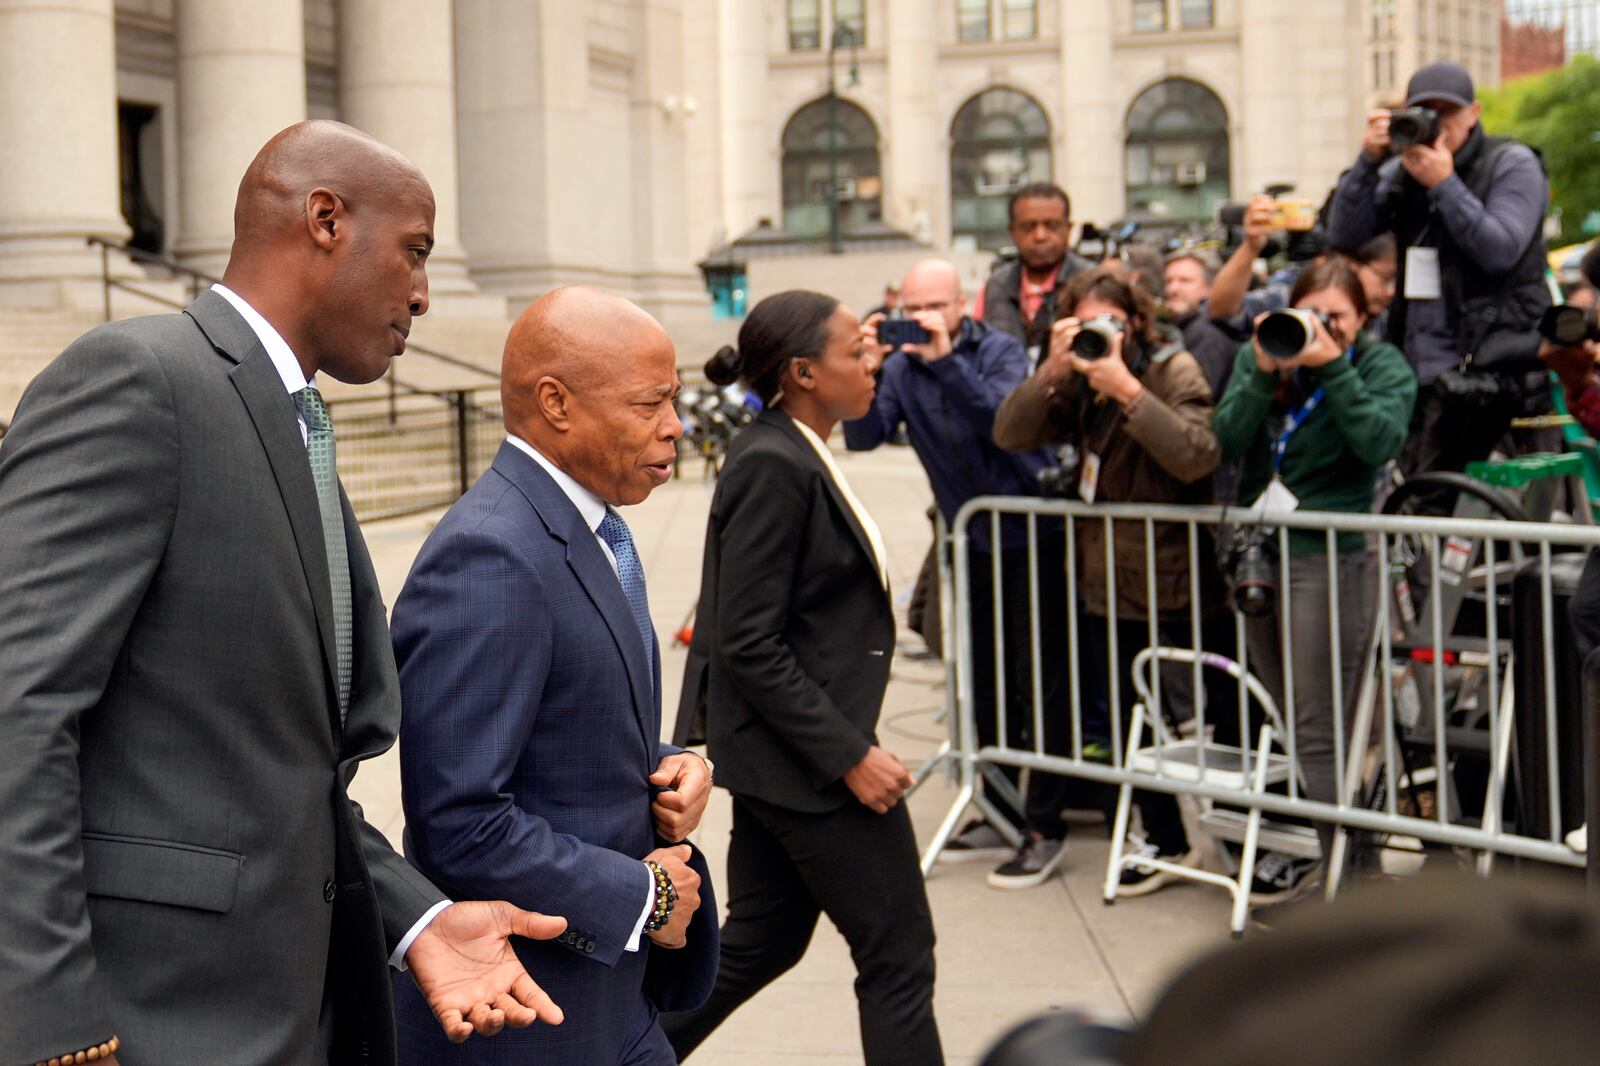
1421 732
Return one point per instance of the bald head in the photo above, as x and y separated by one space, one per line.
362 171
589 378
332 232
935 285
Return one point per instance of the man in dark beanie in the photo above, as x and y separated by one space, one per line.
1439 971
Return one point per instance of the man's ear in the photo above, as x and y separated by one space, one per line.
325 217
554 402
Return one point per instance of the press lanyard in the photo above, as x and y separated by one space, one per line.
1298 419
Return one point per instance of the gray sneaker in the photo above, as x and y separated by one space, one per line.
977 842
1033 864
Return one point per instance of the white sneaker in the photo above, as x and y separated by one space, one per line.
1578 839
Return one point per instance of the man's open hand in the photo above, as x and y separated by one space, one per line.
472 980
677 810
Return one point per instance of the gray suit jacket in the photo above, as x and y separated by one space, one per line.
180 863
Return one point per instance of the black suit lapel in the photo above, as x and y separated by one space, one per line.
278 426
785 424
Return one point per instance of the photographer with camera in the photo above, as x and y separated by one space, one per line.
942 379
1314 409
1119 396
1020 296
1466 211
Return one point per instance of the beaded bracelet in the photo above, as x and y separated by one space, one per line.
92 1054
666 898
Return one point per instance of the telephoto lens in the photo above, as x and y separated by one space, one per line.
1285 334
1413 125
1095 337
1568 325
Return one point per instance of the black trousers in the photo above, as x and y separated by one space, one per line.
1163 824
1048 794
1584 607
785 869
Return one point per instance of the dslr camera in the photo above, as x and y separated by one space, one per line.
1567 325
1413 125
1285 334
1250 566
1095 336
896 330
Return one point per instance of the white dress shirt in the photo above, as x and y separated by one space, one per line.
593 511
874 535
294 379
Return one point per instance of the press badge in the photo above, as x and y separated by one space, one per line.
1089 476
1422 274
1277 499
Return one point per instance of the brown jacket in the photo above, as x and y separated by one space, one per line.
1159 450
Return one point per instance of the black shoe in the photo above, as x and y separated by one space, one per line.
978 841
1143 880
1033 864
1278 878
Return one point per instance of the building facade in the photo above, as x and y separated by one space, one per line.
944 106
617 142
545 129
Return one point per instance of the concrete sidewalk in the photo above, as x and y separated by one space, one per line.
1002 956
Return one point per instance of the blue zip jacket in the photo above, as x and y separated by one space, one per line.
948 407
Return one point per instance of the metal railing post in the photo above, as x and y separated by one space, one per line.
105 281
463 443
394 395
1591 760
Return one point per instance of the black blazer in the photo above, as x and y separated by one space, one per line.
795 631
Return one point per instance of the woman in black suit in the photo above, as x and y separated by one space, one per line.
787 672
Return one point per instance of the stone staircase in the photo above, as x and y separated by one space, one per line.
28 341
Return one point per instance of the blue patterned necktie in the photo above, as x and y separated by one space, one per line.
614 531
319 449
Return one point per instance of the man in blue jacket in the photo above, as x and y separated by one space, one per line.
945 393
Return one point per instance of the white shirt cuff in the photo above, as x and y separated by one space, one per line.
649 905
398 959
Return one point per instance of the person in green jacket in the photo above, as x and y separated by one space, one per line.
1323 423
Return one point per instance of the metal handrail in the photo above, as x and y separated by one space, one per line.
196 277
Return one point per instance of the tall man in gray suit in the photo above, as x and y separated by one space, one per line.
194 659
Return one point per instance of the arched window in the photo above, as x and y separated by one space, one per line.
1177 151
1000 141
806 154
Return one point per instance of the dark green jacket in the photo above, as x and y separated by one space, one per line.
1332 460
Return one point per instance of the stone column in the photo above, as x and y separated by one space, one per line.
58 166
397 82
751 154
241 79
1270 54
1088 147
917 178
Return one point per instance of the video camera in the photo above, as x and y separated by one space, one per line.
1096 244
1413 125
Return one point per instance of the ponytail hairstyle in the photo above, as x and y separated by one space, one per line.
780 329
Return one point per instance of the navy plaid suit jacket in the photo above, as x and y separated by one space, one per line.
530 725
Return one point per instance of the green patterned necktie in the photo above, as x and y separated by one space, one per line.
319 448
